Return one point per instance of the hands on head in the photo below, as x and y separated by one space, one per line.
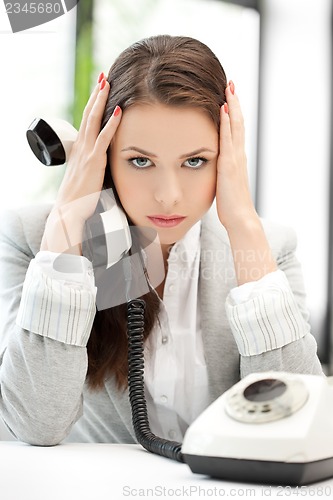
86 170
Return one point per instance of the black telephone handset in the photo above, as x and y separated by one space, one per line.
272 427
51 141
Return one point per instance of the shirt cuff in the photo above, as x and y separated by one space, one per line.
263 315
57 304
254 288
71 269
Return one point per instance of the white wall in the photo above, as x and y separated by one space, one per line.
37 70
295 138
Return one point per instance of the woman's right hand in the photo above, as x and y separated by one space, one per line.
81 186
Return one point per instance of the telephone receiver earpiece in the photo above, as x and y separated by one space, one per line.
51 141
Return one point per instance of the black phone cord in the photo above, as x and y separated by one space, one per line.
135 330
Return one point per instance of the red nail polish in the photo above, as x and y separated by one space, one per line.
225 107
100 78
232 87
116 111
102 84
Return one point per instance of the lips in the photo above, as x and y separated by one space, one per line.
162 220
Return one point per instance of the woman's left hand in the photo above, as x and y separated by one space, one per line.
233 198
251 252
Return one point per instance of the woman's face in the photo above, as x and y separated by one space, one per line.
157 168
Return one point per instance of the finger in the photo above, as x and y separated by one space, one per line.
94 120
236 118
106 135
87 110
226 146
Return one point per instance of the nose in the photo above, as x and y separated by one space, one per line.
168 190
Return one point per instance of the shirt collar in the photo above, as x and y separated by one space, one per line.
188 246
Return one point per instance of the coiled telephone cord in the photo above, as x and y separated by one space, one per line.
135 331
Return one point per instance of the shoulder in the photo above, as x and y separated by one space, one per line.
23 227
282 239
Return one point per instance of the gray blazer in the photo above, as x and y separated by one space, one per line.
44 398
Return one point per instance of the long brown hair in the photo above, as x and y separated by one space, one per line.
172 70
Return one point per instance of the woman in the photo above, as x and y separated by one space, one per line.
168 138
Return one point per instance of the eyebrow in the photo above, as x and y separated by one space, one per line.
135 148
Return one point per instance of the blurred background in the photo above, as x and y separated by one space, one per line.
278 53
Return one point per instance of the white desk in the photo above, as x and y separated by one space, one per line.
115 472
